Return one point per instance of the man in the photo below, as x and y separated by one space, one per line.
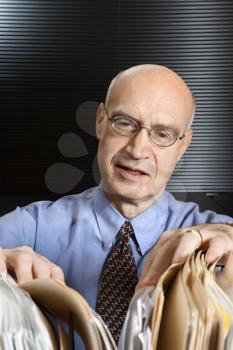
143 130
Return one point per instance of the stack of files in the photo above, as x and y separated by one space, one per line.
190 308
68 307
26 324
22 325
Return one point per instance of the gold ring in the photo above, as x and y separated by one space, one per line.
197 233
229 223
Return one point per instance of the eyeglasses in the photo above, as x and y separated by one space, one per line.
159 136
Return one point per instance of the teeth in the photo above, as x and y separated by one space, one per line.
134 171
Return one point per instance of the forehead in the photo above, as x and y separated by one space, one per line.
154 118
159 100
164 112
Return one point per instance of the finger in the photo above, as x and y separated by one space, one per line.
56 272
22 267
161 260
40 267
218 246
160 245
189 242
3 267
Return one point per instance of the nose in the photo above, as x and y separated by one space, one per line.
139 145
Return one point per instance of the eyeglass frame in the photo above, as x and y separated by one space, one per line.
139 127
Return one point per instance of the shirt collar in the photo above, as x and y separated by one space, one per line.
147 226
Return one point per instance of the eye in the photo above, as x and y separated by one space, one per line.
125 124
162 136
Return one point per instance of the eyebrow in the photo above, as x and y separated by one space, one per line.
160 125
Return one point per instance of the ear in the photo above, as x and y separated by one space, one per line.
100 114
186 142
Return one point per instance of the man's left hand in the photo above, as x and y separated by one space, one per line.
175 246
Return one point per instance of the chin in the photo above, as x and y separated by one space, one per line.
130 194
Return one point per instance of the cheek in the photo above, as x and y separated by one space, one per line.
165 163
107 149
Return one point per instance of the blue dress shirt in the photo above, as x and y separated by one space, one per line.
77 232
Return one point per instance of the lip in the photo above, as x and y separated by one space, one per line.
130 173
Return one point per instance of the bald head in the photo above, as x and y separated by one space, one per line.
143 103
153 79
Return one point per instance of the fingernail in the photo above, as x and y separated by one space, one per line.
149 279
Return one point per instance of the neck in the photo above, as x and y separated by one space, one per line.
130 208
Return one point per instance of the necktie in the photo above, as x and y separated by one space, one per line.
118 281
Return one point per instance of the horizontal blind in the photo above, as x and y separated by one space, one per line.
56 56
195 38
59 55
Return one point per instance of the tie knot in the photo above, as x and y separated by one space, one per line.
126 229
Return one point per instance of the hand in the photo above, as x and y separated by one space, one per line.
175 246
26 264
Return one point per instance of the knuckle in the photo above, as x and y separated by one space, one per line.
43 264
25 249
23 258
56 269
41 270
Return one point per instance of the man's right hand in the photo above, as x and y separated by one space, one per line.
26 264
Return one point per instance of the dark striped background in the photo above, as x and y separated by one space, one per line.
57 57
195 38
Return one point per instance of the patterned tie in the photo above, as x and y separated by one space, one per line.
118 281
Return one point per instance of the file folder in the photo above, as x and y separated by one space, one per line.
191 308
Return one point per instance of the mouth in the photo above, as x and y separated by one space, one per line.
130 172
